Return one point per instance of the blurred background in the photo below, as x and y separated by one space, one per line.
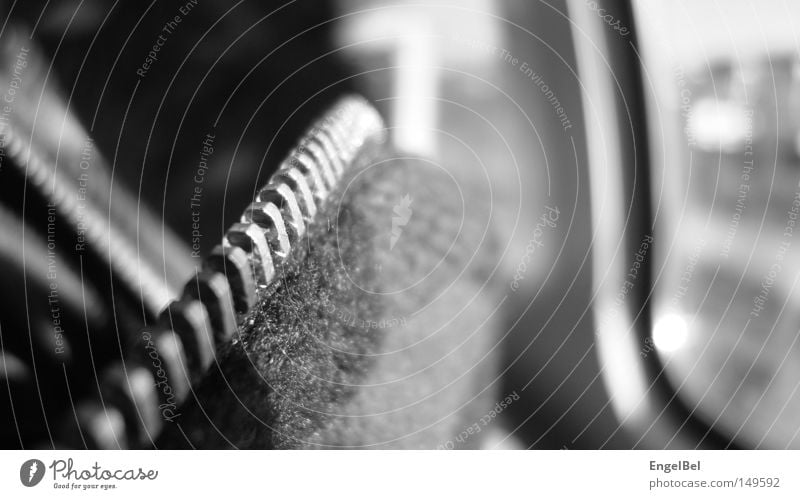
641 157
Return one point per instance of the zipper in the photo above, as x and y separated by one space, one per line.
139 395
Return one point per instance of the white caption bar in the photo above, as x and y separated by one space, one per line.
389 474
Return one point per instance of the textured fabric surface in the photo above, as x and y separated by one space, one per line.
379 333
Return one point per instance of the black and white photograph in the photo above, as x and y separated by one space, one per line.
438 246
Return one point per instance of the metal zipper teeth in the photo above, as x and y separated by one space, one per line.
139 396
